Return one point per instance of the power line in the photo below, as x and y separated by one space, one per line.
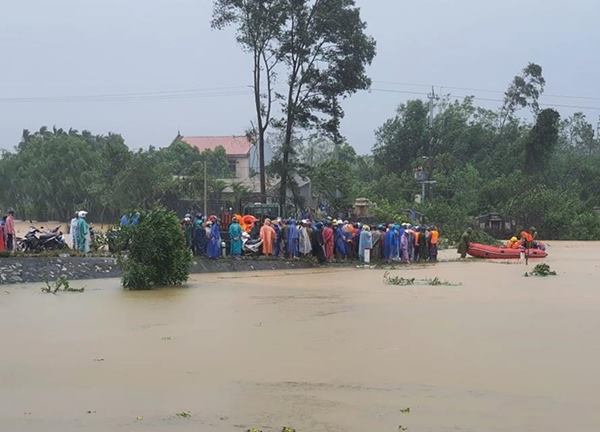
485 99
138 96
449 87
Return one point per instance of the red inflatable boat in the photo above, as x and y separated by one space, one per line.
493 252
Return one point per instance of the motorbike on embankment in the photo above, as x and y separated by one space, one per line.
38 241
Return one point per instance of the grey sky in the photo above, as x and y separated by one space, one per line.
98 47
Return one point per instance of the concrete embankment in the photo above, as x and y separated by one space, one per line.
40 269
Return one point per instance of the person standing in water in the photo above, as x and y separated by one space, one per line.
463 245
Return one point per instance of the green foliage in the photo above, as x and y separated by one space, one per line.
53 173
157 252
542 141
400 281
60 284
541 270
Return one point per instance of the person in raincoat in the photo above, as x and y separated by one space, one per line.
340 242
199 236
235 238
404 239
305 242
214 240
73 231
277 245
423 245
293 238
318 249
391 243
328 241
267 235
187 227
83 233
463 245
365 242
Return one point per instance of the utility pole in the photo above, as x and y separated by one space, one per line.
432 98
205 194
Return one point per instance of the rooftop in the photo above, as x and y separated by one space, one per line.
233 145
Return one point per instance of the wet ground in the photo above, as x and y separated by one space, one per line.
319 350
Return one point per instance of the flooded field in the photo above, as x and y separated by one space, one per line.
321 350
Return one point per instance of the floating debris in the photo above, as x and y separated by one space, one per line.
400 281
184 414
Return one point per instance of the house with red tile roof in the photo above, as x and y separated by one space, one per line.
242 156
239 151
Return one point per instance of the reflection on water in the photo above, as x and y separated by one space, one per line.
331 350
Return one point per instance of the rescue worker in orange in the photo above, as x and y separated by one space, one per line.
528 237
434 237
267 235
513 243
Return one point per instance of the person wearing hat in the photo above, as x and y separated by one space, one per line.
235 238
187 227
83 233
513 243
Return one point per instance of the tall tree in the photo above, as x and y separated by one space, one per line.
258 24
524 91
324 50
542 140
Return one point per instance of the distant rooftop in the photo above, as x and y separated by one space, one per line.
234 145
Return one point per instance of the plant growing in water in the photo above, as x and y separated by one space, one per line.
157 253
60 284
541 270
400 281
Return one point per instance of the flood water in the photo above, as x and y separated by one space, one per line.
319 350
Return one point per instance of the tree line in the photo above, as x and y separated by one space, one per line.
54 172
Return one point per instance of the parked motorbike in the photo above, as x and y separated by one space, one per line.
250 246
36 240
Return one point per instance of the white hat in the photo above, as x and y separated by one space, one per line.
83 213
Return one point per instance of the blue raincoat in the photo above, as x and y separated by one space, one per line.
235 238
214 242
365 242
293 239
340 242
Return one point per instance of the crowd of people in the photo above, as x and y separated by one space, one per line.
328 240
7 232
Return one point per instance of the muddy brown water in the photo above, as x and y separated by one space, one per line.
319 350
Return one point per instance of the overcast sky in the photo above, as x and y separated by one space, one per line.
72 48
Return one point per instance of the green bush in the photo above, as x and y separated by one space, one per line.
157 253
